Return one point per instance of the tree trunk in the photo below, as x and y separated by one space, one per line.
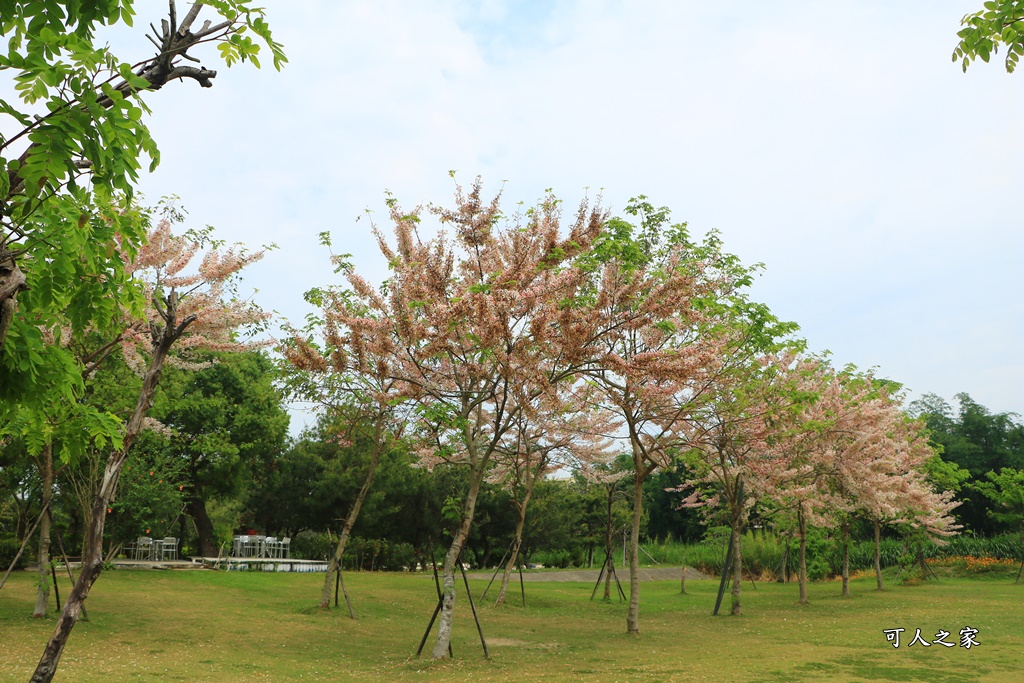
444 627
92 561
803 554
208 546
878 553
43 589
737 570
334 566
12 281
846 560
633 616
514 555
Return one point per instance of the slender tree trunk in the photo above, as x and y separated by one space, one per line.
846 560
514 555
334 566
878 553
803 554
204 527
633 616
43 573
444 627
92 561
737 570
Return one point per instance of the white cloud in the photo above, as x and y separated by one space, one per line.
836 142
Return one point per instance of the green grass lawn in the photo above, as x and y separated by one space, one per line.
220 626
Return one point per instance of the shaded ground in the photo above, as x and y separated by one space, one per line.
590 575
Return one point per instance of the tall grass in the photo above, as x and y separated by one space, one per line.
763 552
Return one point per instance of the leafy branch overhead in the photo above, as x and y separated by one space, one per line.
1001 22
80 115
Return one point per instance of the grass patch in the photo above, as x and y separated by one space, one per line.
220 626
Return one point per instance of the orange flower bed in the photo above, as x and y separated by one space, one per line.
971 564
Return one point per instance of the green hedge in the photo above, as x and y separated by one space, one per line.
763 552
9 546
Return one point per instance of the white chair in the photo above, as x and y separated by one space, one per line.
143 548
278 548
268 548
169 549
284 547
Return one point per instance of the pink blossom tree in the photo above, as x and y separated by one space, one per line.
476 327
362 389
729 444
187 310
852 451
671 307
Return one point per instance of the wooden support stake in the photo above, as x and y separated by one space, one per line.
522 588
67 566
24 543
426 633
600 575
497 569
472 605
726 567
56 590
622 593
344 591
440 598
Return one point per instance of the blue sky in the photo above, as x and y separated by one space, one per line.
834 142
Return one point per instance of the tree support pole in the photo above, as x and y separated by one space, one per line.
344 591
476 618
24 543
56 590
726 566
498 569
522 588
600 575
67 567
618 584
440 601
426 633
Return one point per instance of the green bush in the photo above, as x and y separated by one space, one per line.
312 545
9 546
1005 547
552 558
763 553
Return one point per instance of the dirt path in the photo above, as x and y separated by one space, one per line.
590 575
